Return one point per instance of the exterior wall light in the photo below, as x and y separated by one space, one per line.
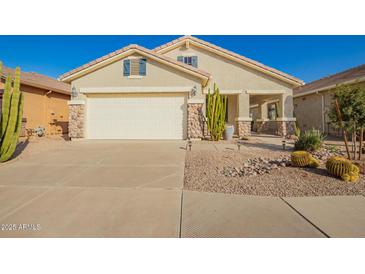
193 92
74 93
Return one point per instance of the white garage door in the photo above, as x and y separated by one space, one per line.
136 117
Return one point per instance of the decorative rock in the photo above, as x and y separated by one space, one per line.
195 122
76 121
257 166
243 128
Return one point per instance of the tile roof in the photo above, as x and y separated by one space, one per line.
233 54
39 80
137 47
332 80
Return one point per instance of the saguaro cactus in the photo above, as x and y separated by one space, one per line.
11 116
216 113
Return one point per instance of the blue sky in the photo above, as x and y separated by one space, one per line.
306 57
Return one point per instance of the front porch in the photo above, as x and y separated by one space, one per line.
263 112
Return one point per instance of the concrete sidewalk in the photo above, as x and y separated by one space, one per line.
227 215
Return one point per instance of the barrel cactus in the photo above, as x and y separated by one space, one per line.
11 115
343 168
304 159
216 113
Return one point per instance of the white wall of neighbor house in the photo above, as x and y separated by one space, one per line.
157 75
230 75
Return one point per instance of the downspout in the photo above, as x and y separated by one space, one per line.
322 112
46 110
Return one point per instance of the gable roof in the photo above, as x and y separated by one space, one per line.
231 55
350 75
39 80
126 51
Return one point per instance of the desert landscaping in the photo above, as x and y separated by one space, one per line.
261 167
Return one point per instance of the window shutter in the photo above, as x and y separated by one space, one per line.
180 59
194 61
127 67
142 66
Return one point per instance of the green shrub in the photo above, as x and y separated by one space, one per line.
310 140
297 131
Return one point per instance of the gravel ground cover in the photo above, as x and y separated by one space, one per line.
209 171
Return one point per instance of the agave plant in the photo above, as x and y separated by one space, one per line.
310 140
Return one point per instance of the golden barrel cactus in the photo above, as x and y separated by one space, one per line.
343 168
303 159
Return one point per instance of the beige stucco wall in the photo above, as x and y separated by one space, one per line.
40 109
158 75
232 109
310 114
307 110
230 75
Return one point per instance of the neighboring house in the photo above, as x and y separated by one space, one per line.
136 93
45 101
313 100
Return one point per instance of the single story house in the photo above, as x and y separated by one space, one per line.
313 100
137 93
45 101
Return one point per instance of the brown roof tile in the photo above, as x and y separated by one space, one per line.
134 46
40 81
331 80
248 60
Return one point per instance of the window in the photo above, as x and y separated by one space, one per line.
189 60
134 67
272 111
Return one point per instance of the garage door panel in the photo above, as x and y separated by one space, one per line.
150 117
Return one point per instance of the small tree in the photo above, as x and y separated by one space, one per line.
347 112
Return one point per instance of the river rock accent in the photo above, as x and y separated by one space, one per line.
195 120
76 121
243 128
257 166
285 128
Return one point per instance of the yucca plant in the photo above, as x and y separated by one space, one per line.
11 115
216 113
310 140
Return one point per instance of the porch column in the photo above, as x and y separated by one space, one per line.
285 121
261 121
243 121
76 124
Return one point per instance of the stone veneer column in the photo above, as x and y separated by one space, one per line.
285 128
195 119
76 124
243 126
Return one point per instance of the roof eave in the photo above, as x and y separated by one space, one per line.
28 83
313 91
294 81
127 52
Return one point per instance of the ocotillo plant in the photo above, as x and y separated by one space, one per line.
216 113
11 116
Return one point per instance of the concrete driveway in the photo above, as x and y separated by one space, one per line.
95 189
135 189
